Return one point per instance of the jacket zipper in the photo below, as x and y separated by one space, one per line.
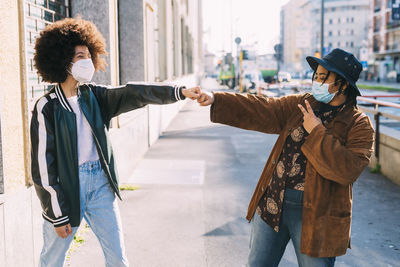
101 152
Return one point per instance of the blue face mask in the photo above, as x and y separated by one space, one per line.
321 93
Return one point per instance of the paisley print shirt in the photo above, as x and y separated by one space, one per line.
290 169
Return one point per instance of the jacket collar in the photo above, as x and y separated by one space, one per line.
342 116
62 99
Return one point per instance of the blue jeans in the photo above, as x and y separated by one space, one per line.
100 209
268 246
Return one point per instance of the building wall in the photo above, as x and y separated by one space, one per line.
134 47
389 154
384 41
158 36
346 25
296 34
103 14
17 225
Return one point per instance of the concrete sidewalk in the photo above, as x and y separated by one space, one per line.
195 185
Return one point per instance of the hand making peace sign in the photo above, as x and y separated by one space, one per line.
310 120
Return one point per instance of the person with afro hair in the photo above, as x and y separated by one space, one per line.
73 167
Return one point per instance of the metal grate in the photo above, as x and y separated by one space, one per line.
39 14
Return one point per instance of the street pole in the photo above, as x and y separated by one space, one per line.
231 40
237 70
238 40
322 27
240 71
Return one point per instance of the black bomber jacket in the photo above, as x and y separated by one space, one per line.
54 140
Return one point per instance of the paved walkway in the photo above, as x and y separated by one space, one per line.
196 182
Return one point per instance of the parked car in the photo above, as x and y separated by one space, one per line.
284 77
391 76
252 80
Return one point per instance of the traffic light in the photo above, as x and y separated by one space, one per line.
245 54
278 52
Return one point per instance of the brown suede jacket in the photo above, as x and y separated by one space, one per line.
336 155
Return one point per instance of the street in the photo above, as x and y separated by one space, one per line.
195 184
88 75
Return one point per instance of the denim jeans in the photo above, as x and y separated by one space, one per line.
268 246
100 209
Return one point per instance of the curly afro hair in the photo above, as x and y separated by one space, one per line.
55 48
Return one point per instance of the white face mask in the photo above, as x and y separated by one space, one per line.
83 70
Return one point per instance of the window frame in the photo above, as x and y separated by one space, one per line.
33 24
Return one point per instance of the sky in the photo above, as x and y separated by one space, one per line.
256 22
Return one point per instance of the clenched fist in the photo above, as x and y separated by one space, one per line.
206 99
64 231
192 93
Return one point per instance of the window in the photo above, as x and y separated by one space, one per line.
377 23
347 44
338 44
351 44
376 43
330 33
377 5
175 39
183 47
352 19
352 32
38 14
338 33
338 20
161 39
330 21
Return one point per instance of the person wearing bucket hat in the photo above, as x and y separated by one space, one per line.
304 193
347 70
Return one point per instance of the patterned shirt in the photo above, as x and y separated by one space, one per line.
290 169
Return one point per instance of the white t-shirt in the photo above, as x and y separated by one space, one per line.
86 146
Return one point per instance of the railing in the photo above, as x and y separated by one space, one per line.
378 114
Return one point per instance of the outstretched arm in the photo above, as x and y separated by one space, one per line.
115 101
263 114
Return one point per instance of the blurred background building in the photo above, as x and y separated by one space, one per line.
369 29
296 32
384 39
147 40
366 28
345 26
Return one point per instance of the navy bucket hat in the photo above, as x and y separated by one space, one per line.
340 62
